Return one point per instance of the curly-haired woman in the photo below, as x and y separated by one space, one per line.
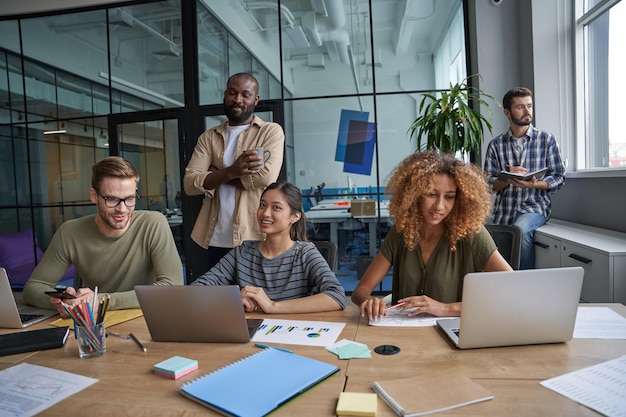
439 204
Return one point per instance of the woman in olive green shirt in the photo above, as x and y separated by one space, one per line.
439 204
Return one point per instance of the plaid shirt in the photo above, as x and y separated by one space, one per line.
540 150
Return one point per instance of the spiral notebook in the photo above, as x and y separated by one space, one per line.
257 384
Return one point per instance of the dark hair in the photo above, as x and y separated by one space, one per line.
293 195
244 75
112 166
515 92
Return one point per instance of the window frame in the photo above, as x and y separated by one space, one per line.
584 132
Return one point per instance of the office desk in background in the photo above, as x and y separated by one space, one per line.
127 385
334 217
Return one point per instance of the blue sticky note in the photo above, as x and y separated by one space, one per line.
175 367
346 349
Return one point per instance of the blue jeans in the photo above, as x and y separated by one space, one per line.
529 222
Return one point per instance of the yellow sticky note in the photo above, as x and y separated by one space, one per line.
357 404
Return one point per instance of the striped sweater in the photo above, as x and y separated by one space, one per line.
299 272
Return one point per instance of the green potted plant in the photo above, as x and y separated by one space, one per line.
448 123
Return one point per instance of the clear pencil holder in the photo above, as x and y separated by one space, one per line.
91 340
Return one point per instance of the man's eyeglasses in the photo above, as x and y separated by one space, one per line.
112 202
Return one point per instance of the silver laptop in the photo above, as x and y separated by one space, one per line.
14 317
202 313
516 308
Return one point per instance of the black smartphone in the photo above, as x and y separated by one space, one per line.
60 294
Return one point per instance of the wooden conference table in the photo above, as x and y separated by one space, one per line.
127 385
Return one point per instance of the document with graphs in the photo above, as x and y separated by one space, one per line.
26 389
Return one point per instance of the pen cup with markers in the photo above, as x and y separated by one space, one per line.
91 340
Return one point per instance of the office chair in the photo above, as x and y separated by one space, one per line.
354 241
310 196
329 252
508 238
319 193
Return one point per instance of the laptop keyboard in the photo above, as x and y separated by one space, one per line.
253 326
28 317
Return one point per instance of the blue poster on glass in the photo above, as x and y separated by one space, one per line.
344 126
360 148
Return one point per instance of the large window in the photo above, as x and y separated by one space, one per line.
602 30
344 77
55 100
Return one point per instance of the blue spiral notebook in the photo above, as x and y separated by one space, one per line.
257 384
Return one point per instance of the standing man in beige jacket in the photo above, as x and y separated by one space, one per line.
225 168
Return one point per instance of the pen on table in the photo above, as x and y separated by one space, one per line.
262 346
141 346
394 306
116 334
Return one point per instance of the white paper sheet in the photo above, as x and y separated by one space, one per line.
600 387
298 332
26 389
397 318
599 323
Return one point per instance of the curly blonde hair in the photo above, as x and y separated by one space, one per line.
414 178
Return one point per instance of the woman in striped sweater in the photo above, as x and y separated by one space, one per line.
283 273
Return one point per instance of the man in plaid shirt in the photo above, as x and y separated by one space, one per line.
523 148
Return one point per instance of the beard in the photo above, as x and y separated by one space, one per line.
235 118
521 122
107 218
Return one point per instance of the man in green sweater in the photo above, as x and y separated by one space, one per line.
114 250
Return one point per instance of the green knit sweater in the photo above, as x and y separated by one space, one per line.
144 254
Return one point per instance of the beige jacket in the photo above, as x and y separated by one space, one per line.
209 150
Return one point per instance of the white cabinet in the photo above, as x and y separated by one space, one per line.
601 252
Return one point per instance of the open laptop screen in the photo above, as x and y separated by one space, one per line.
203 313
517 307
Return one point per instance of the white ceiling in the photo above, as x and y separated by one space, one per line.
325 26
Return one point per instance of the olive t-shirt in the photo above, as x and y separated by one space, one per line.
442 277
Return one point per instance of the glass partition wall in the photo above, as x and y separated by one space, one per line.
342 77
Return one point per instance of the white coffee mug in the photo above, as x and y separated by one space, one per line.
263 154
